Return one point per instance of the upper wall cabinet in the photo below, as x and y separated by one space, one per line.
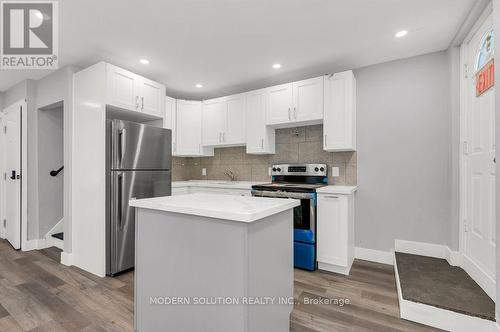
169 121
133 92
295 103
188 130
339 124
260 138
223 121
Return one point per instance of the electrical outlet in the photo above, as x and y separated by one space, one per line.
204 171
335 171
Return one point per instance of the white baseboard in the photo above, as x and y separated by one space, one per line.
454 258
335 268
377 256
67 258
444 319
482 278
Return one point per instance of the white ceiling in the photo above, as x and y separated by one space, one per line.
230 45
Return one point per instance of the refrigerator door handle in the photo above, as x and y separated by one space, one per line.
119 204
123 140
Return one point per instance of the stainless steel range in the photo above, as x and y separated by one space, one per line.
298 181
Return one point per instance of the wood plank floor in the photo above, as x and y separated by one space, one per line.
39 294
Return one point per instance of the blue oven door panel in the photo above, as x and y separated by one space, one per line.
304 249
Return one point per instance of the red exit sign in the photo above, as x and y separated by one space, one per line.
485 78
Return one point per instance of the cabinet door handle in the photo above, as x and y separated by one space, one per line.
332 197
326 140
262 144
142 101
224 136
289 116
136 103
295 113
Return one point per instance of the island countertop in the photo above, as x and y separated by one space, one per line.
229 207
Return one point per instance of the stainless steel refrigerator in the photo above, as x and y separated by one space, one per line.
138 165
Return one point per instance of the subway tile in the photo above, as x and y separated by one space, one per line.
286 153
260 173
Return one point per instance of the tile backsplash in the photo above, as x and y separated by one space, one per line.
293 145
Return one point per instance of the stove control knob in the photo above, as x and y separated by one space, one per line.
316 169
279 169
274 169
322 169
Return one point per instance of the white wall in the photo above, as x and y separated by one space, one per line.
404 158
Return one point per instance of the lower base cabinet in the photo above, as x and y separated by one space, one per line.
335 229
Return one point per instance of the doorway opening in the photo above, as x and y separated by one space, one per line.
51 174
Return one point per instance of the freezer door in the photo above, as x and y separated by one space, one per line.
126 185
137 146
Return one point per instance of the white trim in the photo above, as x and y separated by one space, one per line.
67 258
440 318
334 268
454 258
480 276
377 256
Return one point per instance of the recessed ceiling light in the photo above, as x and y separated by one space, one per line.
277 66
401 33
144 61
199 85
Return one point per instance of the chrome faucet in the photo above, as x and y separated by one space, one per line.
230 175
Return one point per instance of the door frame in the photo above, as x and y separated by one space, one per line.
488 285
22 103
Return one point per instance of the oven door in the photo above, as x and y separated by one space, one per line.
304 215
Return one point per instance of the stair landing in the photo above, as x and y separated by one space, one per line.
432 281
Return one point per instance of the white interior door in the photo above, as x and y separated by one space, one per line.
479 167
11 132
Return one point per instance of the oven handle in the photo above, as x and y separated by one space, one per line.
283 194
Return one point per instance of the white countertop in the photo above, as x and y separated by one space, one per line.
339 190
216 184
229 207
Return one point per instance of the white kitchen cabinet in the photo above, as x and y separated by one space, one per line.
152 97
169 121
129 91
339 124
335 232
122 88
223 121
214 114
260 138
188 116
235 133
297 103
308 100
279 109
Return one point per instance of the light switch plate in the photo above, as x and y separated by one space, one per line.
204 171
335 171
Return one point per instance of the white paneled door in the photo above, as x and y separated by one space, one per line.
479 163
11 170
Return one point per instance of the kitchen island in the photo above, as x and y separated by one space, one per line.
211 262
